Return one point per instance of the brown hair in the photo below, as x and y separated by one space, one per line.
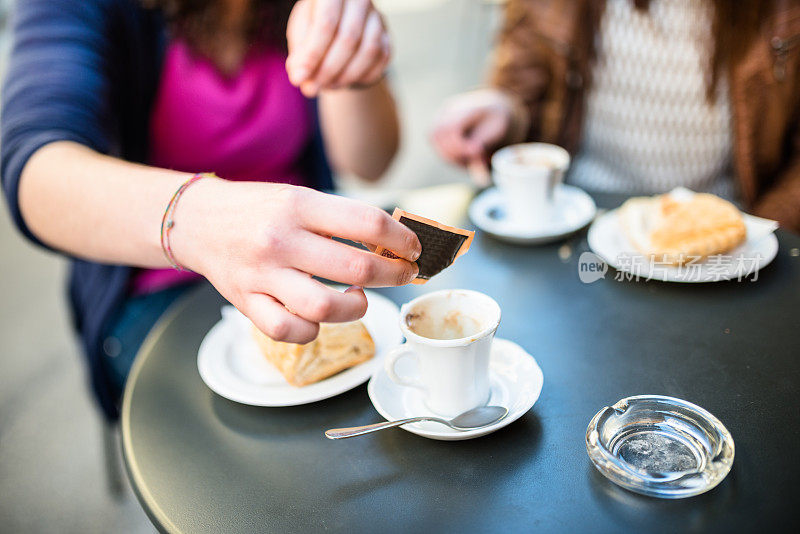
199 21
735 23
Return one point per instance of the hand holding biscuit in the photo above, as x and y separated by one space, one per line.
261 256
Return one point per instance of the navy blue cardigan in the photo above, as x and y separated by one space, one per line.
87 71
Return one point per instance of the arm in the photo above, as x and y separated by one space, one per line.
361 129
96 207
471 125
339 50
55 88
259 244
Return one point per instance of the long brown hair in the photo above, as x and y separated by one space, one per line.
199 21
735 23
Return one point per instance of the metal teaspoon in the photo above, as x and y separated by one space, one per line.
470 420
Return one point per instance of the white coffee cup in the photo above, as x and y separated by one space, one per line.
527 175
449 333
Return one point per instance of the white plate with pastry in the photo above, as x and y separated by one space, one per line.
683 236
241 364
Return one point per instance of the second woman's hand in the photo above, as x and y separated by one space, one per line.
470 125
259 244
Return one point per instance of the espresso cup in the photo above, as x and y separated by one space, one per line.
449 334
527 175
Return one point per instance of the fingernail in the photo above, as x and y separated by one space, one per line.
416 254
414 273
308 89
354 288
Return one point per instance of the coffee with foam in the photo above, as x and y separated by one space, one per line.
451 325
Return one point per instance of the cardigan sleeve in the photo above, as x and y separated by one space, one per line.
781 200
56 86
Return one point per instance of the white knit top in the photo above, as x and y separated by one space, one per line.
648 125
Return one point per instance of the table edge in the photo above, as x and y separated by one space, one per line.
146 500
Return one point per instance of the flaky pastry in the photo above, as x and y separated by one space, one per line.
679 229
338 346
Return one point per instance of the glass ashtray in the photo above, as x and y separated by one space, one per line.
660 446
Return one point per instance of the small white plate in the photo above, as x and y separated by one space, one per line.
608 240
516 381
573 209
231 364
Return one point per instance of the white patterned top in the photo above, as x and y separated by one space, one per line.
648 125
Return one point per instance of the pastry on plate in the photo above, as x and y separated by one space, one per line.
338 346
680 227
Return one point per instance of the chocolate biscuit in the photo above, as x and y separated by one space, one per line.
441 244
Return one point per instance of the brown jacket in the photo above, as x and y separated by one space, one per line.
544 57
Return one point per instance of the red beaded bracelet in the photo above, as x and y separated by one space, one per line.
168 222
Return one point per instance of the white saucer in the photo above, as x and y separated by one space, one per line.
516 381
231 364
573 209
608 240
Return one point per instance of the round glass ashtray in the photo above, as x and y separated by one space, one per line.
660 446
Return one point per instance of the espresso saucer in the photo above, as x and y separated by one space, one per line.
515 380
573 209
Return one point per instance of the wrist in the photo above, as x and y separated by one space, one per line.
353 90
192 222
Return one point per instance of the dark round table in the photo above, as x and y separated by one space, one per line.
200 463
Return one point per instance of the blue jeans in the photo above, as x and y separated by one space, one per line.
128 328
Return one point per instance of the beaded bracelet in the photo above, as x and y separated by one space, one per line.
168 222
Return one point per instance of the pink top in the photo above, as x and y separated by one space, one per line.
253 126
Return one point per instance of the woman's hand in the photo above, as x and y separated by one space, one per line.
336 44
470 125
259 245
